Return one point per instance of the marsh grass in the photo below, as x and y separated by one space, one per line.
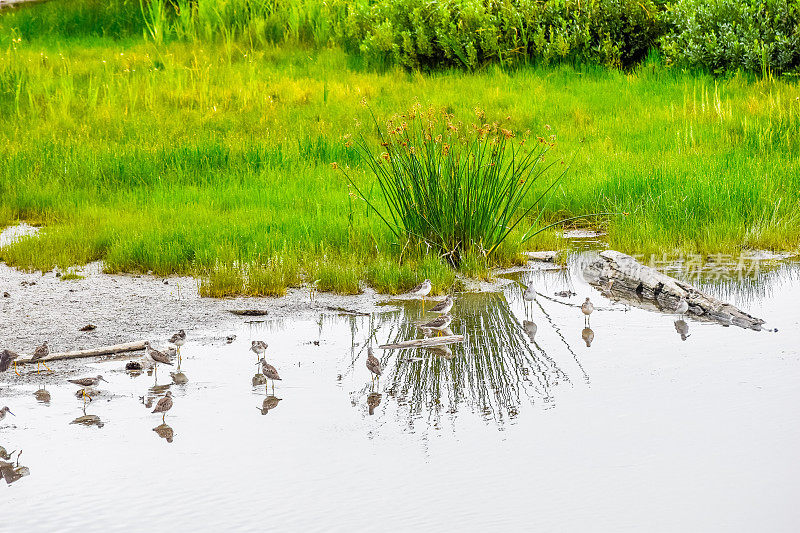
180 159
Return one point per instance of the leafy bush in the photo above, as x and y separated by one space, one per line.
468 33
724 35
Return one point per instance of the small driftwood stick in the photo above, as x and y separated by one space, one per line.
423 343
93 352
646 287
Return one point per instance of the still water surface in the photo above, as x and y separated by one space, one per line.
638 431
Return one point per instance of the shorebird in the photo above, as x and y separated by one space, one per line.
178 340
587 307
682 307
373 364
439 323
529 294
6 357
443 307
155 357
87 382
588 336
270 372
258 347
164 405
423 289
40 353
3 412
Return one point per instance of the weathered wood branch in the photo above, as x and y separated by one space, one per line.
93 352
427 342
619 275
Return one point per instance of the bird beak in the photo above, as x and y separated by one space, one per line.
12 414
103 379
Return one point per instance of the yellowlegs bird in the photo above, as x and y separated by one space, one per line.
439 323
443 307
270 372
164 405
40 353
588 336
165 432
683 329
86 383
422 290
155 357
3 412
373 364
178 340
258 347
529 294
6 358
682 307
587 307
270 403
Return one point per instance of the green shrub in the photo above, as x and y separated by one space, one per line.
724 35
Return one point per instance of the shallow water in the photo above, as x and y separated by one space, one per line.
640 430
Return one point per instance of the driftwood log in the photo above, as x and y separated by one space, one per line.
427 342
93 352
620 276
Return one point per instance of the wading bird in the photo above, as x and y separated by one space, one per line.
87 382
6 358
587 307
155 357
422 290
529 294
443 307
3 412
164 405
40 353
682 307
270 372
373 364
179 339
258 347
439 323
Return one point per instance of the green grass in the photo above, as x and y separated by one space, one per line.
214 160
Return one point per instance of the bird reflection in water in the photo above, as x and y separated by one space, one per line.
42 396
682 328
259 379
588 336
165 432
88 420
530 329
179 378
10 471
270 403
373 401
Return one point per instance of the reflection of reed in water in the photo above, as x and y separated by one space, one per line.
491 372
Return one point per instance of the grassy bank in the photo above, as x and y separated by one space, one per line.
215 159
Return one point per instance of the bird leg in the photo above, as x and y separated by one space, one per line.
163 418
47 367
15 368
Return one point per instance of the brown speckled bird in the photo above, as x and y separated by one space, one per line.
164 405
40 353
373 364
270 372
6 358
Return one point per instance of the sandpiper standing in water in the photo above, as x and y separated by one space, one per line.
85 383
3 412
529 294
179 339
40 353
258 347
682 307
155 357
443 307
373 364
439 323
164 405
6 358
587 307
270 372
422 290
